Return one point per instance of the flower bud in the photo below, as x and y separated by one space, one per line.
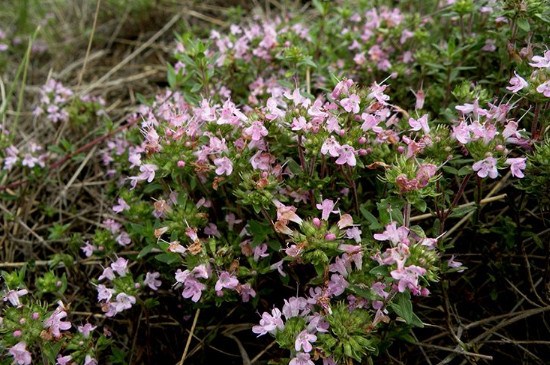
317 222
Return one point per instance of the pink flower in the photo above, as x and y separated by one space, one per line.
20 354
346 156
454 264
489 46
287 213
293 306
327 207
122 206
297 98
341 88
486 167
120 266
351 104
408 278
331 146
88 360
193 289
269 323
370 123
147 172
55 324
260 251
63 360
299 124
301 359
337 284
13 296
123 239
394 234
108 274
86 329
123 302
225 280
151 280
246 292
346 220
544 88
541 61
462 133
225 166
516 165
256 131
421 123
517 83
304 340
88 249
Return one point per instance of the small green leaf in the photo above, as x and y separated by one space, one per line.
144 251
462 211
402 306
524 25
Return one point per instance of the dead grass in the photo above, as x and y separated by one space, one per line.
125 54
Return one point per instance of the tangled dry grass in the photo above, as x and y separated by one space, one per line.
118 50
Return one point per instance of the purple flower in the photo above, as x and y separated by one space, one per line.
120 266
225 280
304 340
486 167
541 61
20 354
246 292
86 329
123 239
124 301
104 293
147 172
454 264
63 360
88 249
269 323
260 251
224 166
301 359
293 306
517 83
108 274
516 165
337 284
122 206
88 360
151 280
544 89
327 207
13 296
55 324
279 266
193 289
